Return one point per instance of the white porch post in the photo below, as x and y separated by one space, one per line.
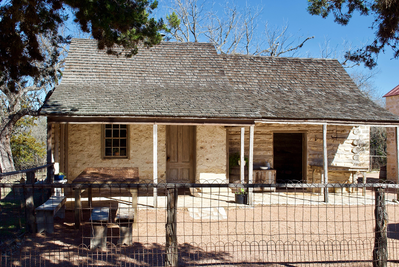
50 156
325 162
251 164
242 161
155 162
397 156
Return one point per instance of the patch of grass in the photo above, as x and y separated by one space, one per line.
11 219
12 212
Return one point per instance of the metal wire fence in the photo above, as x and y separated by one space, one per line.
197 225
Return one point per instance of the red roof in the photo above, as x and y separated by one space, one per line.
394 91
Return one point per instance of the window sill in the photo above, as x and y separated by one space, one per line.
116 157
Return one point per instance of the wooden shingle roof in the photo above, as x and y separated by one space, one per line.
190 80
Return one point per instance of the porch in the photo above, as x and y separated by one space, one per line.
202 153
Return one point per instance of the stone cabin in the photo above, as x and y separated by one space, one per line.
179 112
392 105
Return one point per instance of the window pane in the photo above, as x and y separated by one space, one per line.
115 140
123 143
108 142
115 143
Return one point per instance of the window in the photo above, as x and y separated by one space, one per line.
115 141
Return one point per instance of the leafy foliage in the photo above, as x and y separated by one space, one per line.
378 147
234 158
121 22
386 24
26 150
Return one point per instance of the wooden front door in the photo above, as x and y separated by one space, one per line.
180 154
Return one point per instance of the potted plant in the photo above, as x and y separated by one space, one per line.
241 196
59 177
234 160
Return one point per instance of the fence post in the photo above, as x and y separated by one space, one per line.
380 252
29 209
171 257
78 207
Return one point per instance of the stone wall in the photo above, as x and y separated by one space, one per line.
211 154
347 146
392 105
84 150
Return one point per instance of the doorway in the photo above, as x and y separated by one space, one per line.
288 156
180 154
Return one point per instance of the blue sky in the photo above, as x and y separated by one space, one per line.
301 23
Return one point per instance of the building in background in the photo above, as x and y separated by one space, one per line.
392 105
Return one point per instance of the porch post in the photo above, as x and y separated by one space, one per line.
242 161
251 164
397 157
50 158
155 163
325 162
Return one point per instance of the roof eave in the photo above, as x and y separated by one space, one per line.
213 120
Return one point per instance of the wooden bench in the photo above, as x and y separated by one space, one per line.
125 218
99 219
45 213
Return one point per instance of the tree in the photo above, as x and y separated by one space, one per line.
378 147
32 49
28 97
121 22
386 24
26 149
231 31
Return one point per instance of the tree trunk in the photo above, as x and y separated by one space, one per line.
6 159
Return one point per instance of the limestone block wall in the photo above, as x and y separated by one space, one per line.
392 169
211 154
392 105
84 150
347 146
